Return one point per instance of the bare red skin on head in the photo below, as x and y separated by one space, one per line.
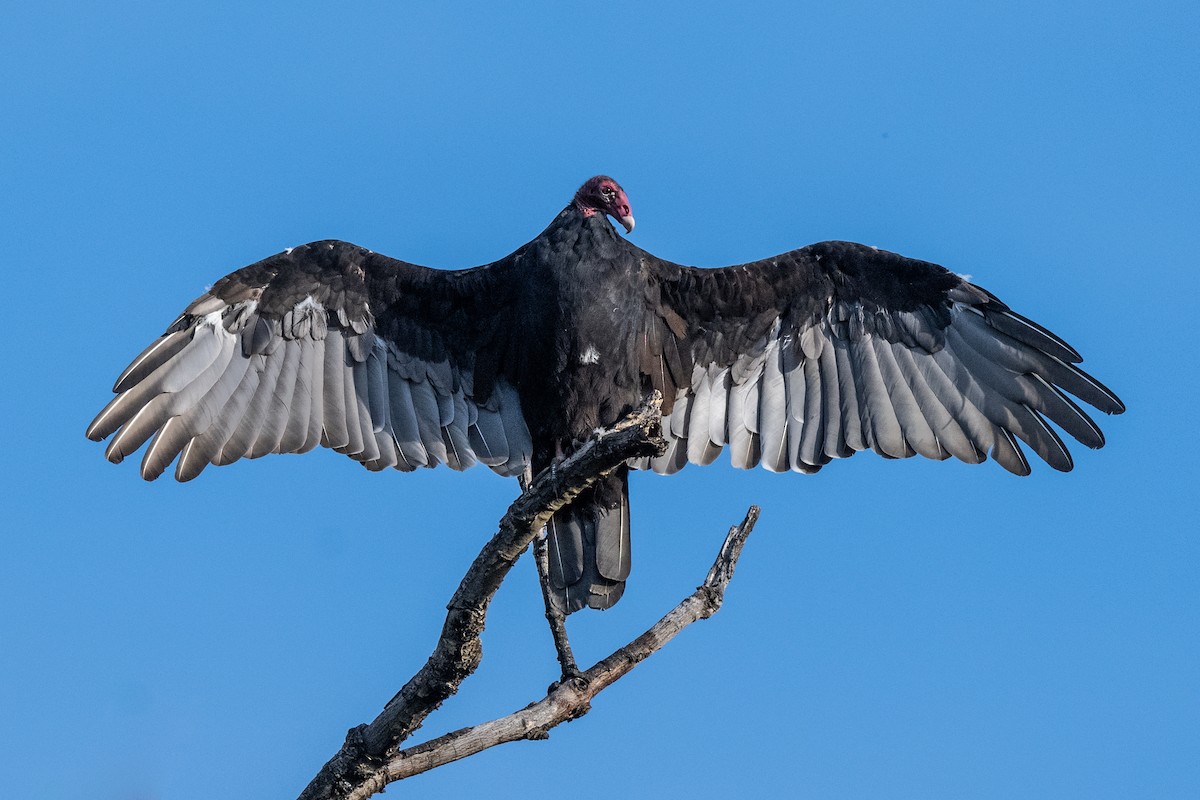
590 198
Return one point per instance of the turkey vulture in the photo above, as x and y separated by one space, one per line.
789 362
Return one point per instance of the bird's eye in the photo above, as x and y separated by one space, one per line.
608 193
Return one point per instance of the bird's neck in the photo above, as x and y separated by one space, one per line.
585 210
580 232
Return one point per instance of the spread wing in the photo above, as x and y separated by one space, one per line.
393 364
837 347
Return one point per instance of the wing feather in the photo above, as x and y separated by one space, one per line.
917 434
335 426
834 445
698 436
204 448
241 439
178 391
849 405
744 450
153 357
279 406
429 422
198 404
876 413
673 459
377 388
487 438
368 451
405 424
169 377
810 453
353 375
679 422
1027 384
310 409
287 354
718 406
457 442
944 427
773 414
868 350
312 373
991 389
520 443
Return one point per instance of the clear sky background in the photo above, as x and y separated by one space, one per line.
896 629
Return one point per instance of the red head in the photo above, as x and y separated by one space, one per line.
603 194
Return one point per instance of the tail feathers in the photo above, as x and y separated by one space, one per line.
589 547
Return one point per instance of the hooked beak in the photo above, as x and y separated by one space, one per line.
622 210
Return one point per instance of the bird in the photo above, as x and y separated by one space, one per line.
787 362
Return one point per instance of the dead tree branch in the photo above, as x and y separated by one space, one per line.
458 652
570 699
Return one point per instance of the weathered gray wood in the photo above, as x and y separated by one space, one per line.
569 699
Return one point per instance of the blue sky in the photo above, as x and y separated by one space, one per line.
896 629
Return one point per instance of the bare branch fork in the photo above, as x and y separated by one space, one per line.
368 760
571 699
